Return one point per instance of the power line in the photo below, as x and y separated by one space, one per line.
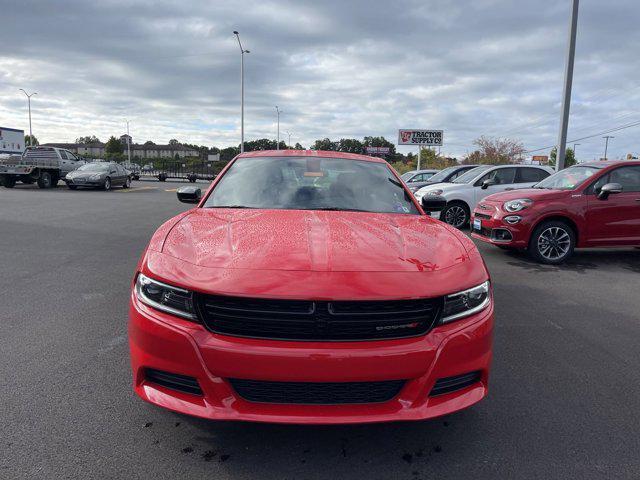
616 129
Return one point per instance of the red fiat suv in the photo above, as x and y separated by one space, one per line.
588 205
309 287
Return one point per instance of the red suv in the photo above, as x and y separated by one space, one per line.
588 205
310 287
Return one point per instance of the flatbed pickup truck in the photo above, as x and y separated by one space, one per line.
44 165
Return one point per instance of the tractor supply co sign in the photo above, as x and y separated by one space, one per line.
428 138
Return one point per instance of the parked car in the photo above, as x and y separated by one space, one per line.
44 165
467 190
102 175
446 175
587 205
418 178
133 169
309 287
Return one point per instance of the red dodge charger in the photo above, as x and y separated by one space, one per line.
310 287
588 205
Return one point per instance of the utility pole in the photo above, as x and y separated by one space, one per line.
242 52
606 144
278 135
128 144
29 102
568 80
289 133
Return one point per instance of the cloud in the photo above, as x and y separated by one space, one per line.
336 69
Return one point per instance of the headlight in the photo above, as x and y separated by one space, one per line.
517 205
434 192
97 176
161 296
467 302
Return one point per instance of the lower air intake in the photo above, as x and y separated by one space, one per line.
317 393
181 383
452 384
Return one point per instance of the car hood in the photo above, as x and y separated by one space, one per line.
84 174
307 240
532 193
445 187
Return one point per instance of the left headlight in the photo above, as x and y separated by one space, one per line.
465 303
517 204
437 191
97 176
161 296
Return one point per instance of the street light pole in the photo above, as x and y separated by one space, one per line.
29 103
574 151
242 52
289 134
278 135
568 80
128 144
606 144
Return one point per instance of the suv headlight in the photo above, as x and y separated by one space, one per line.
434 192
517 204
465 303
161 296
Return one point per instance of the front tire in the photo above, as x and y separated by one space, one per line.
9 182
127 183
552 242
45 180
107 184
456 214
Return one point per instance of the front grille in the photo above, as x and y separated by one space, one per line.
452 384
317 393
182 383
317 320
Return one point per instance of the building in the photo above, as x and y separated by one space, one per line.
11 141
147 150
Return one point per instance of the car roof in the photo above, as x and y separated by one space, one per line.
309 153
607 163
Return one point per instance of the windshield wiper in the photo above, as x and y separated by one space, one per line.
229 206
338 209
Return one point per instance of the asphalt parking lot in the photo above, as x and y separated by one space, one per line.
565 386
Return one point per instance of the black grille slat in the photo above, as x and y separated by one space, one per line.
452 384
320 393
317 320
181 383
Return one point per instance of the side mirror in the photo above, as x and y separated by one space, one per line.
487 183
433 203
189 194
607 189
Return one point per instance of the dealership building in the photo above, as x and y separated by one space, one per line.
147 150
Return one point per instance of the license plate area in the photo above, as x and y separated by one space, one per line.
477 224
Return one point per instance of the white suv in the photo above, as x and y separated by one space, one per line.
467 190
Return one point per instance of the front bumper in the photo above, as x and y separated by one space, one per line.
497 231
163 342
84 183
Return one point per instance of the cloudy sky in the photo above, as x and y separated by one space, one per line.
335 68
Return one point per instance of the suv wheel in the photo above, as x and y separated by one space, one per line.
455 214
552 242
45 180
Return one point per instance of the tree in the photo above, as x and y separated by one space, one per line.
148 143
379 142
88 139
325 144
474 158
430 159
350 145
262 144
174 142
31 141
569 157
499 151
298 147
228 153
113 148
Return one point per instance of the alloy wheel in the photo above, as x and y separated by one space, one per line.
554 243
455 216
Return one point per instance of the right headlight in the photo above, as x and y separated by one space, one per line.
161 296
465 303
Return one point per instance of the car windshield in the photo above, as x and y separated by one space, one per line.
407 176
442 174
567 179
471 175
311 183
94 167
